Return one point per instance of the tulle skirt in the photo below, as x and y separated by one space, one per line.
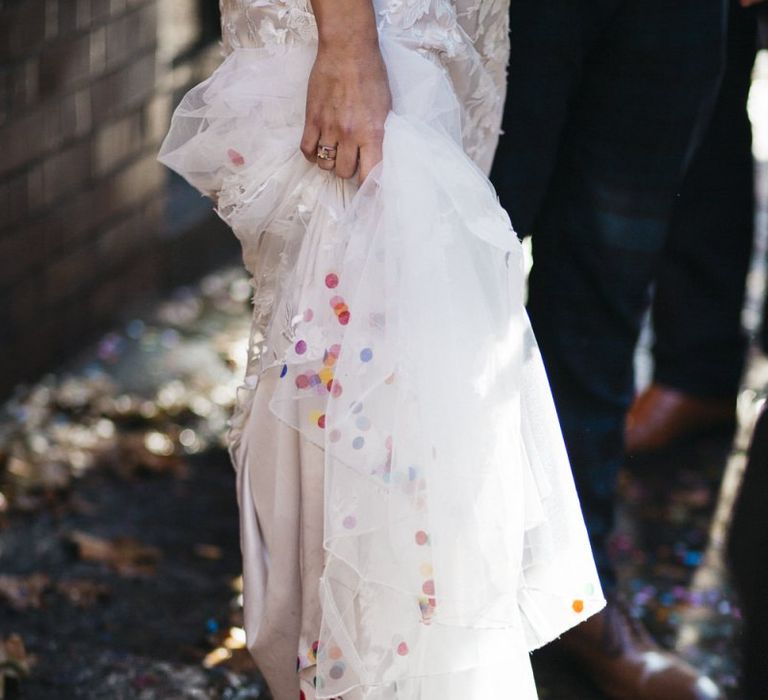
397 348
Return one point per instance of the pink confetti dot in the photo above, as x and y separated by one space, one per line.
336 301
402 649
335 389
235 157
349 522
302 381
332 280
334 435
300 347
344 318
321 421
309 315
429 587
421 538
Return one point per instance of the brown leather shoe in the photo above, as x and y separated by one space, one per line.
660 416
620 657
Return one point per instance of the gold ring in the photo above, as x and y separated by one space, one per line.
326 152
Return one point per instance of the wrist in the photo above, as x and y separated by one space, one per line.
349 29
363 43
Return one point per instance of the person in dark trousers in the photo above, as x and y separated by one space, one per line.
607 101
700 345
748 555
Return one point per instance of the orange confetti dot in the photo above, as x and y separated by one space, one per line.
578 605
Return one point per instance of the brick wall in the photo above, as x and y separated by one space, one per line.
86 89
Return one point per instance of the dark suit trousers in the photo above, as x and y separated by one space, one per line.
700 345
606 100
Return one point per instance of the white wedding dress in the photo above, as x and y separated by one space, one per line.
410 527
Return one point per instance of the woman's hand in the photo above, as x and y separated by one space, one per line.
348 94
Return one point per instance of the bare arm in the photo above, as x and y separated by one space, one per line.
348 93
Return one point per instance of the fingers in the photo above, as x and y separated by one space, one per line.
370 156
309 140
350 158
326 161
346 159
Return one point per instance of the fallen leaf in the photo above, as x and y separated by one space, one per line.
14 662
22 592
124 555
152 452
83 592
209 551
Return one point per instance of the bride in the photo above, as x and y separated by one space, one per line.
409 524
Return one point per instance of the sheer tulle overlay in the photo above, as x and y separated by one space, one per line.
394 315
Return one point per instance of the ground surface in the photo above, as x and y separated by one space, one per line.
119 555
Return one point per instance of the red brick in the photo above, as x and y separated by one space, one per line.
129 86
22 28
67 118
130 34
179 27
157 118
99 10
135 183
74 115
25 301
22 140
66 171
18 86
13 201
64 64
52 18
98 51
70 273
75 217
74 16
116 142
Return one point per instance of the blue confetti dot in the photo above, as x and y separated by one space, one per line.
366 355
692 558
358 443
283 371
